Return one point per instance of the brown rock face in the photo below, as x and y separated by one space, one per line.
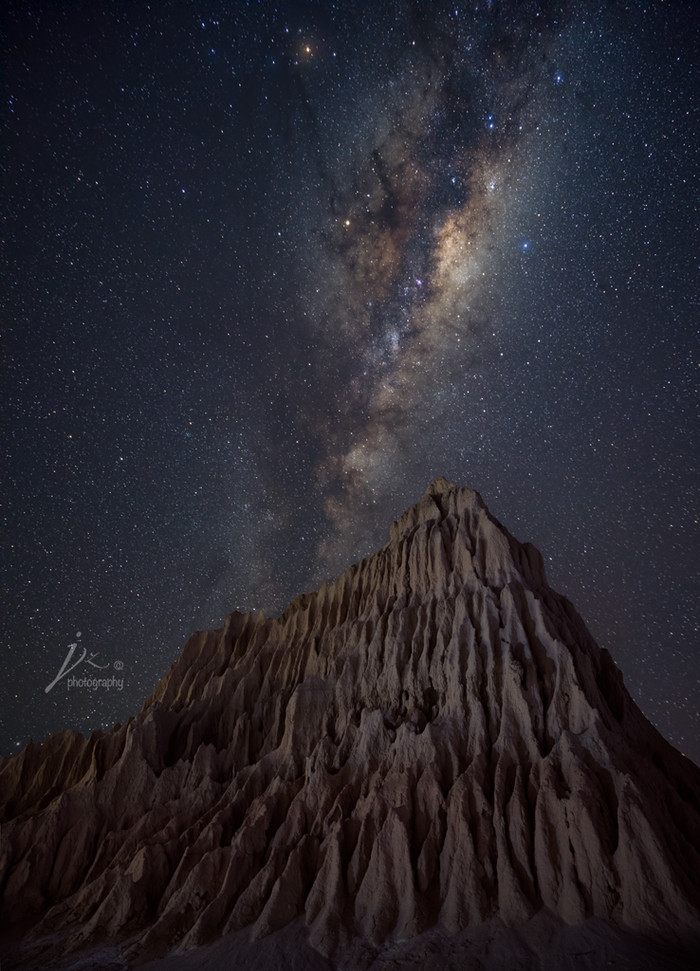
432 740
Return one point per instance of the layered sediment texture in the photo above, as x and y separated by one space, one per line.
433 739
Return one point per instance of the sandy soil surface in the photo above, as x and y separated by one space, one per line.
542 944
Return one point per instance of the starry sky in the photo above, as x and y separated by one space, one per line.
271 268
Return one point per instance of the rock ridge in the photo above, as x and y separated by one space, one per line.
433 739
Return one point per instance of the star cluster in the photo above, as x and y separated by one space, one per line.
270 268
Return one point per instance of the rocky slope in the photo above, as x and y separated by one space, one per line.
432 741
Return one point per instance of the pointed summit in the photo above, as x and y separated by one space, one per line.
441 484
430 753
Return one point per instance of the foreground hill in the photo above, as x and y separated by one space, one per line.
430 754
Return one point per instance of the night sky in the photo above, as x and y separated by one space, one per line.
271 268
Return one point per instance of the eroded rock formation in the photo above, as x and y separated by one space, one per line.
433 739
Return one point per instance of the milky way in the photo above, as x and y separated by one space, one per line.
412 244
273 268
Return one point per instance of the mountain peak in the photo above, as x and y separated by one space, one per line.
476 545
434 740
439 485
